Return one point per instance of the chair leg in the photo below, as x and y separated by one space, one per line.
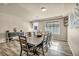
21 53
43 51
34 52
27 53
46 49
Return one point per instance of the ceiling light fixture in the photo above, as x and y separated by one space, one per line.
43 8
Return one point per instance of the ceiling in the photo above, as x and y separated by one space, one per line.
32 11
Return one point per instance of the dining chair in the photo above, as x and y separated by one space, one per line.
43 44
49 37
27 47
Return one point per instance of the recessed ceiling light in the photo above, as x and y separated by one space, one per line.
43 8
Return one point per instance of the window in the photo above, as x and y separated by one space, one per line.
53 27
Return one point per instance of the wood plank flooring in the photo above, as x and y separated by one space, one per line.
57 48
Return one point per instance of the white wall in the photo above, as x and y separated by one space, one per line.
73 32
8 22
73 40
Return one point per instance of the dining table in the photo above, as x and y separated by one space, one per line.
34 40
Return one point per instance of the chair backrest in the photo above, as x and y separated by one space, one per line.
23 41
49 36
29 34
45 39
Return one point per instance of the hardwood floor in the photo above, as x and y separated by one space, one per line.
58 48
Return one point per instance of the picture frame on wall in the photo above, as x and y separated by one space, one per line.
35 27
74 18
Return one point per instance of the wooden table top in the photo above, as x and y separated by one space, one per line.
35 40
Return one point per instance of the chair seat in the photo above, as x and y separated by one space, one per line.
30 45
27 47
